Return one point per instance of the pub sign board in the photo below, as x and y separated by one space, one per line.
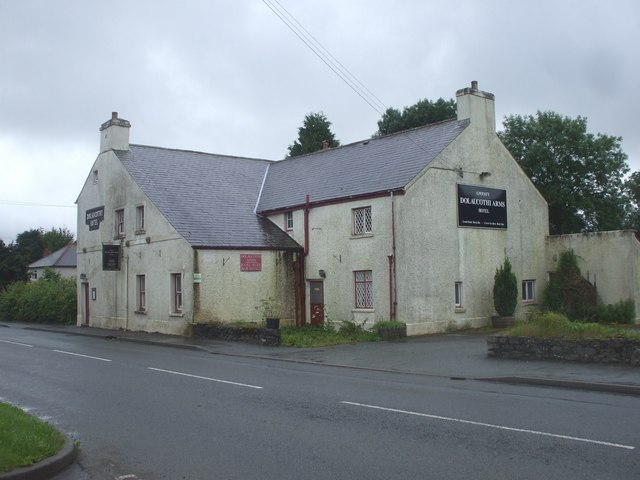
93 217
482 207
111 257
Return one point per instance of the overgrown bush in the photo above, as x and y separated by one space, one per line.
505 290
389 325
568 292
51 299
622 312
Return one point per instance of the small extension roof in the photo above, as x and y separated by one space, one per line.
63 258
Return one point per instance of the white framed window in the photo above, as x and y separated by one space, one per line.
140 219
176 293
362 222
363 280
288 220
458 294
141 293
119 217
528 290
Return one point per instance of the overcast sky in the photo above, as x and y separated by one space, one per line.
228 77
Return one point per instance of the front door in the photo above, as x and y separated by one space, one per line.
316 300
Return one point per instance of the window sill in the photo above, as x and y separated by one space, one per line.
176 314
529 303
118 237
460 310
141 312
363 310
140 232
364 235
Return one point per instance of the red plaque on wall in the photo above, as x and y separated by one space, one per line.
250 262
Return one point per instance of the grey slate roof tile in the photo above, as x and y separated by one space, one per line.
209 199
374 165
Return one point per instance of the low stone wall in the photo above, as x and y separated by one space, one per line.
219 331
617 350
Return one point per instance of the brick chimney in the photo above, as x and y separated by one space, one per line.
477 105
114 134
325 144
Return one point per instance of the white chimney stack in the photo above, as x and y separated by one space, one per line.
478 106
114 134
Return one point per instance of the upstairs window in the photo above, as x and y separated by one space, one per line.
120 223
364 288
288 220
362 221
140 219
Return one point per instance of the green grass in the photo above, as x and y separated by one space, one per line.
556 325
24 439
310 336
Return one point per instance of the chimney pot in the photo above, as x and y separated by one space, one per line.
114 115
325 145
474 85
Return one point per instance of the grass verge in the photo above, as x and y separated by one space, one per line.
24 439
310 336
556 325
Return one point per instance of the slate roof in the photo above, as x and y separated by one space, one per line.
372 166
63 258
209 199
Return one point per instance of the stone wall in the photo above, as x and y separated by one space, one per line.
217 331
617 350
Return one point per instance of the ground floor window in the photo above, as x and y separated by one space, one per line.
364 288
141 293
528 290
176 292
458 294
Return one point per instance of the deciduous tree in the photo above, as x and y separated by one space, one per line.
581 175
421 113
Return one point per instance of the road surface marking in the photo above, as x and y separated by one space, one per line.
16 343
84 356
204 378
490 425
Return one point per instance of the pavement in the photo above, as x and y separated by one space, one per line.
459 355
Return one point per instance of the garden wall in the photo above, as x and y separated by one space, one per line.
617 350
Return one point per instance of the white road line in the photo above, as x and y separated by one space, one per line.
489 425
84 356
205 378
16 343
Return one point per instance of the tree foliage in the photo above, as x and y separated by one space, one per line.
581 175
421 113
57 238
315 130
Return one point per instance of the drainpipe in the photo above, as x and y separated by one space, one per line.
390 257
306 226
393 251
126 325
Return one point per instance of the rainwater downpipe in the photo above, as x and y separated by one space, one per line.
303 310
394 305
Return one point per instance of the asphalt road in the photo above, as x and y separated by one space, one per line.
149 412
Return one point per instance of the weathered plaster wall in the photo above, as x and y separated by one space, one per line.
610 260
115 303
433 252
227 294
